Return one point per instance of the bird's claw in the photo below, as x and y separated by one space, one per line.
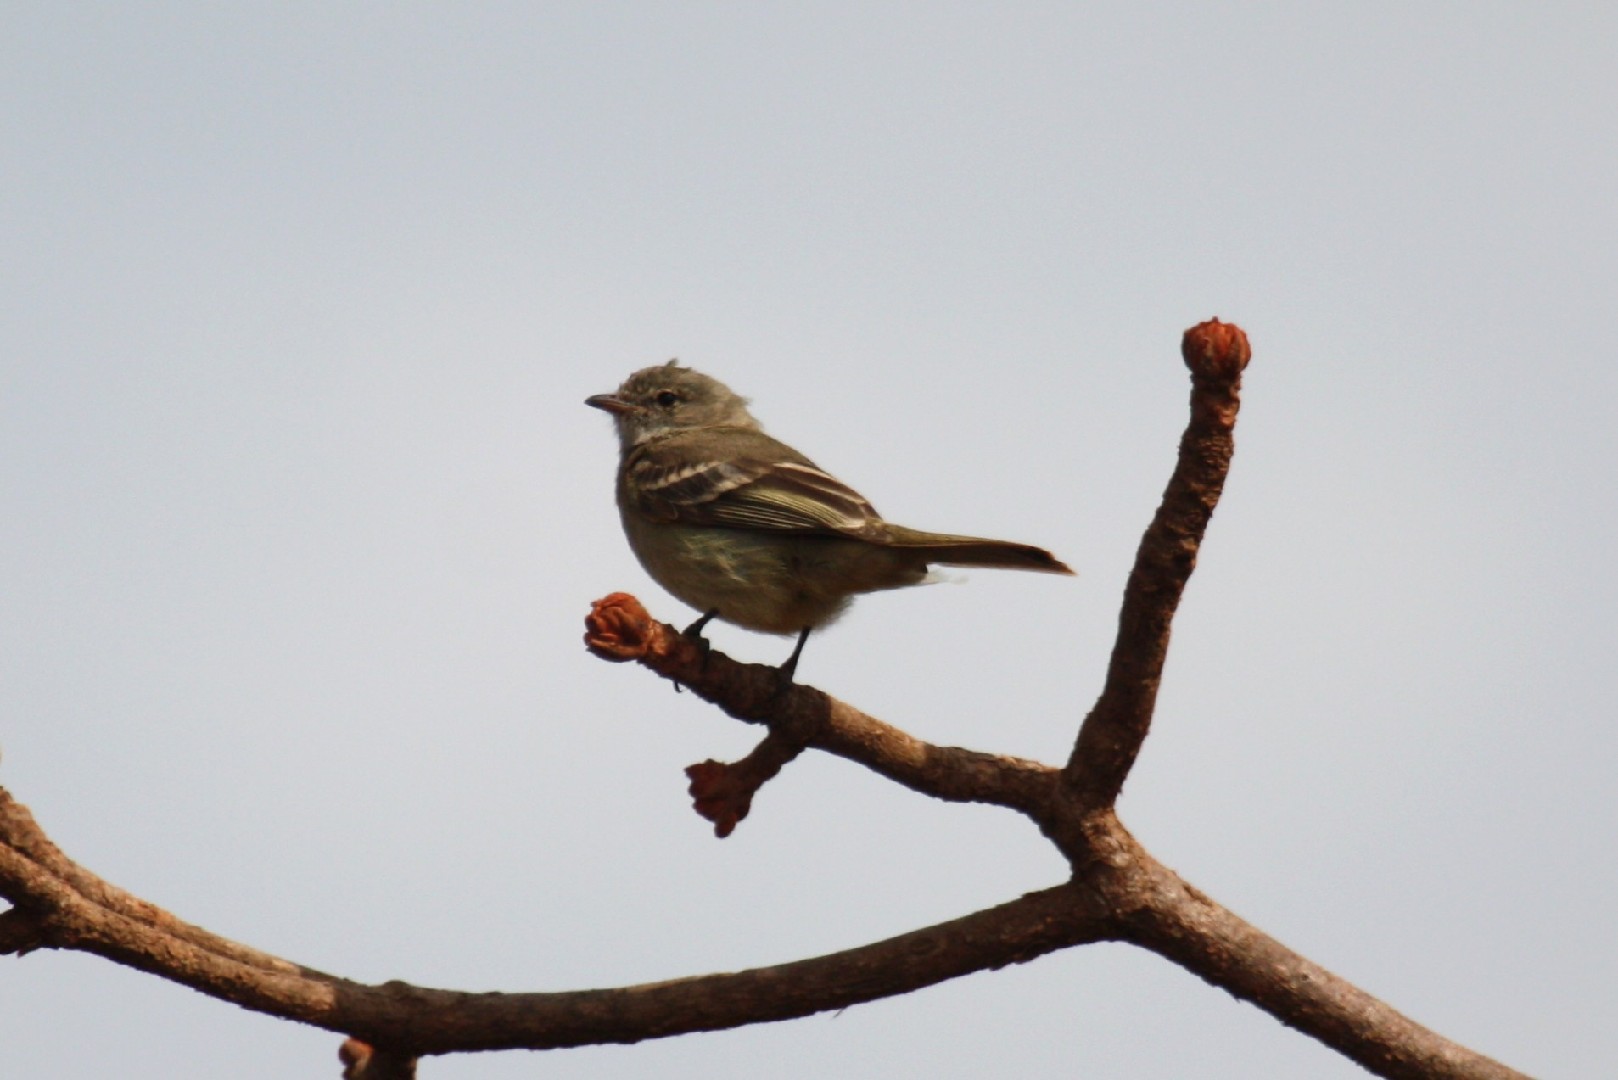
694 633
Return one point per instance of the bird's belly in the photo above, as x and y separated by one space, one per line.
776 583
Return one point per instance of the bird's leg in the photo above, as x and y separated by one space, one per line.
694 632
695 629
790 668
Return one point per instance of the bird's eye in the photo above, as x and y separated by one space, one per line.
667 399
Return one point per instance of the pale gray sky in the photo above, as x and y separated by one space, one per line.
300 510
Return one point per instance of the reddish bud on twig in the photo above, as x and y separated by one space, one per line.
361 1061
1216 350
354 1055
723 793
618 628
720 795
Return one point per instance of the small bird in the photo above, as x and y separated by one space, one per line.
746 529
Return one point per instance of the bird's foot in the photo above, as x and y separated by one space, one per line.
695 629
784 674
694 632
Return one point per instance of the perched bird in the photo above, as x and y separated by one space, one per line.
746 529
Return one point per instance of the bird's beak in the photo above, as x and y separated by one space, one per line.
610 403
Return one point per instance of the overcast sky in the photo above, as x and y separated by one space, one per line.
301 511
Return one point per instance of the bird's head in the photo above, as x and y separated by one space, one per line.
668 398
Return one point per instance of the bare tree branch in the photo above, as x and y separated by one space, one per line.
1117 890
1191 930
415 1021
619 629
1112 734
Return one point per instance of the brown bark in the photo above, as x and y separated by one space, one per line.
92 916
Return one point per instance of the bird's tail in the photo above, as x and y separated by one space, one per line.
949 550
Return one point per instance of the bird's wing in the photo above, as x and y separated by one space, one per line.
755 483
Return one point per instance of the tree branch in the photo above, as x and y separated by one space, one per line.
412 1021
619 629
1191 930
1117 890
1111 736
